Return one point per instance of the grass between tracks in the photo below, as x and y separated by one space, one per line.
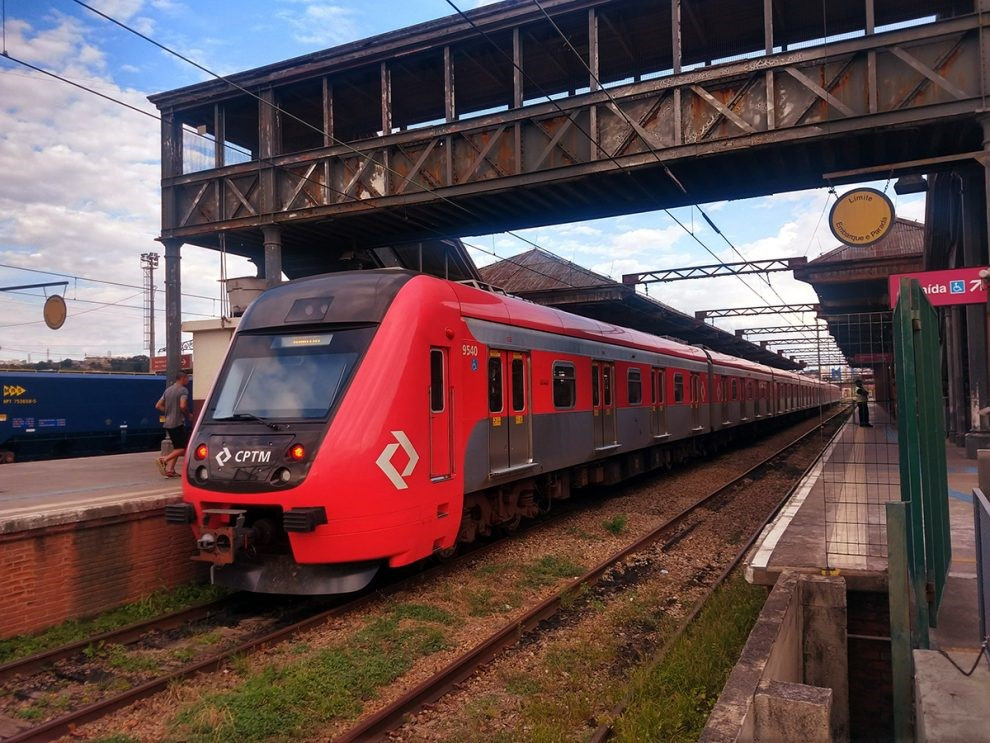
285 701
74 630
671 700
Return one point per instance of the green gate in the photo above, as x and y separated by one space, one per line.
919 543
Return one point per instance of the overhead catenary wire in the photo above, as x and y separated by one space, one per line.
608 155
426 188
289 114
282 167
652 149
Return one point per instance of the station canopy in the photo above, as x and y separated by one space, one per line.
549 280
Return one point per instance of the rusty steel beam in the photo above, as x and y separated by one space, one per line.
716 269
777 309
932 74
783 329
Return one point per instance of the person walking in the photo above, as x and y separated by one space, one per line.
175 404
862 404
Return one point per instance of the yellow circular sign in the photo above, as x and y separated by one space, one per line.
54 312
861 217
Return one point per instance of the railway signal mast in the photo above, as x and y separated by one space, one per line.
149 262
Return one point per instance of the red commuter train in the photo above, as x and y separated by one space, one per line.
372 418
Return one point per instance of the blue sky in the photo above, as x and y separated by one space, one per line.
79 185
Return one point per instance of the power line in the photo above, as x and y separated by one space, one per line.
608 155
291 115
282 167
95 281
617 109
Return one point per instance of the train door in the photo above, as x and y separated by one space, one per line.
695 401
659 418
520 435
441 430
498 430
510 443
603 403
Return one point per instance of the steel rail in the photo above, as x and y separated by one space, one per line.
605 730
391 716
122 635
66 724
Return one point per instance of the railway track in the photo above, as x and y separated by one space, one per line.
460 669
67 723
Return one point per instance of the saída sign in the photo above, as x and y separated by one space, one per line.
954 286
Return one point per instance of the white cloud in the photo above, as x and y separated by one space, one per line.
320 23
80 196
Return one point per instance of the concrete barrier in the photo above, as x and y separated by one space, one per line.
791 681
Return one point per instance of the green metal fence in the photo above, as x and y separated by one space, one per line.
919 545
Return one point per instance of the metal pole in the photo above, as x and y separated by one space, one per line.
273 254
173 309
898 596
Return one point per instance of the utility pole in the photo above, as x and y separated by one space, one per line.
149 262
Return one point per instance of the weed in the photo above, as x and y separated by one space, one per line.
183 655
548 570
161 602
480 601
282 703
34 712
521 683
616 525
119 657
424 613
673 699
117 738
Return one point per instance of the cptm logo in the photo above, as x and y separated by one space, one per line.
13 390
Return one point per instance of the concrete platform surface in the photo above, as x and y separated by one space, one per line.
835 521
35 494
950 707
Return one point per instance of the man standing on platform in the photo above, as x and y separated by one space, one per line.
862 396
175 404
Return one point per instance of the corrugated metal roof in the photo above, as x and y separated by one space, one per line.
906 238
550 280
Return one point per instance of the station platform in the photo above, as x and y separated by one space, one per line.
81 536
34 494
835 522
835 525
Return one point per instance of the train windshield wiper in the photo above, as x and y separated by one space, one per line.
250 417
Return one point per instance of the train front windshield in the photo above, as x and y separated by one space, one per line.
289 376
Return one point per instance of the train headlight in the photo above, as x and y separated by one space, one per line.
202 452
297 453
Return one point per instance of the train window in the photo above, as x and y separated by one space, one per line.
658 395
749 389
564 387
678 388
437 385
635 380
271 376
495 384
518 385
607 384
735 389
595 399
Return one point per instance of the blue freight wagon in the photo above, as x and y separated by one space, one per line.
46 415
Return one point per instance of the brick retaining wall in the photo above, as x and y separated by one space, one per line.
76 565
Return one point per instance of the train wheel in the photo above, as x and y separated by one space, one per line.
512 525
6 457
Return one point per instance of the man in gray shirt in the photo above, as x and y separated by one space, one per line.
175 404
